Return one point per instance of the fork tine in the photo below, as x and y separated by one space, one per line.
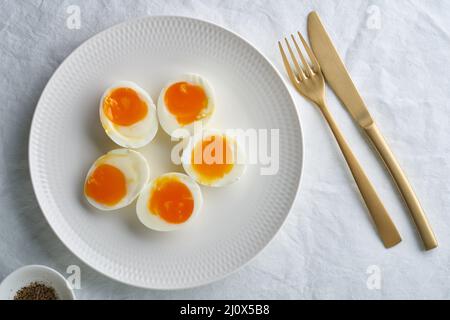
310 53
299 70
306 66
287 66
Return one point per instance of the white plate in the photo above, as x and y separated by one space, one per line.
66 137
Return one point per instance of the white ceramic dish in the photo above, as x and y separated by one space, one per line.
237 221
35 273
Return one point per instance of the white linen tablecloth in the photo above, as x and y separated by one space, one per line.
397 53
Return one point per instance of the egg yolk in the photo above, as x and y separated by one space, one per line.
186 102
124 107
171 200
211 158
106 185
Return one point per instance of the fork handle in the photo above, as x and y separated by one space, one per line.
386 228
419 217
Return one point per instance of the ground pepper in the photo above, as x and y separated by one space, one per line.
36 291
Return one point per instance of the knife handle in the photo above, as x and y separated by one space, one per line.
419 217
386 228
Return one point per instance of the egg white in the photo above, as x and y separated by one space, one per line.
135 168
154 221
138 134
169 121
238 155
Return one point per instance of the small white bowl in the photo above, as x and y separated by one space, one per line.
35 273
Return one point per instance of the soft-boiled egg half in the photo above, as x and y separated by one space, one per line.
128 115
214 159
184 102
169 202
116 179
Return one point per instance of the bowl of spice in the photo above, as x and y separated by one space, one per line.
35 282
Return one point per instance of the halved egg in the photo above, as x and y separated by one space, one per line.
116 179
128 115
184 102
169 202
214 159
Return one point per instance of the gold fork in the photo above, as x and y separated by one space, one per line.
309 82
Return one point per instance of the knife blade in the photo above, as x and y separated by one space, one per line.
335 72
338 78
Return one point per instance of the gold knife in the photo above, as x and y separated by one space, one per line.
338 78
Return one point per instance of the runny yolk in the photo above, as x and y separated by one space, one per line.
186 102
212 158
171 200
124 107
106 185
